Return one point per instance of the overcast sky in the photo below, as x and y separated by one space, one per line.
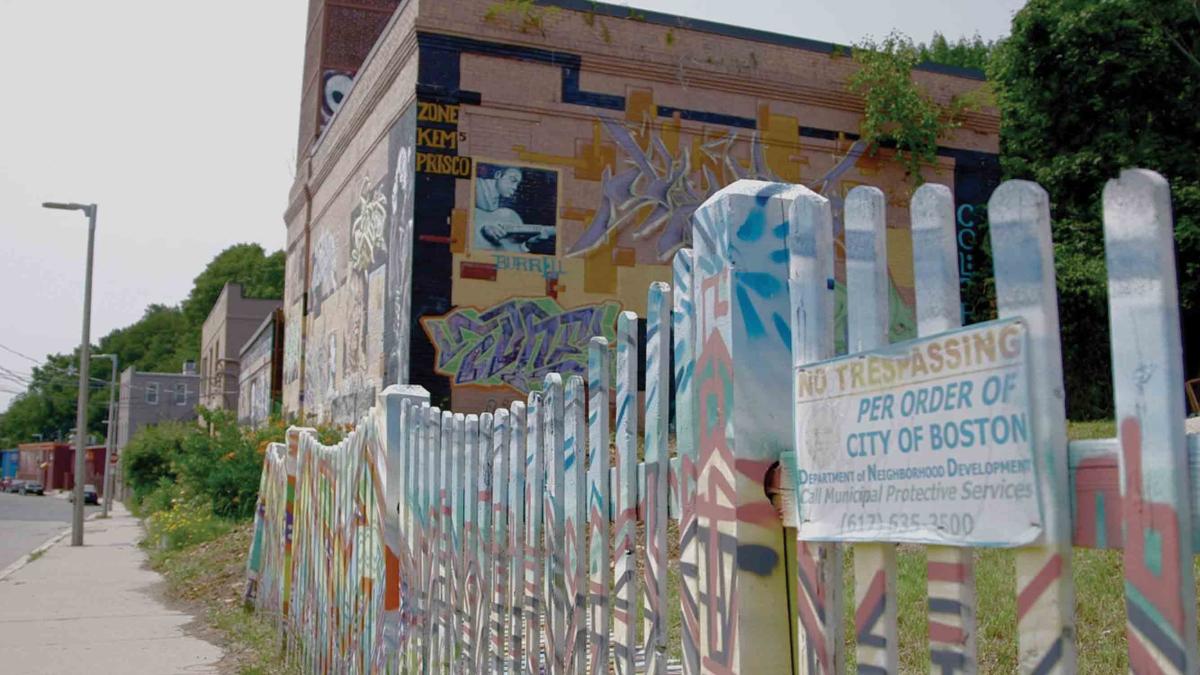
179 120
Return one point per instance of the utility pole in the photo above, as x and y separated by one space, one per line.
81 413
109 437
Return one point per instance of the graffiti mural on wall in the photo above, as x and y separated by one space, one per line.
672 185
335 86
254 381
368 253
515 209
518 342
291 349
323 280
398 300
359 325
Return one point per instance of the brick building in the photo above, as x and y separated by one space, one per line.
53 465
484 191
230 324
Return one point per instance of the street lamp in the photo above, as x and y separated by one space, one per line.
84 353
109 442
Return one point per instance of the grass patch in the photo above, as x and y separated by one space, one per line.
37 554
1078 431
212 576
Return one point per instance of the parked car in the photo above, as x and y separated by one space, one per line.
90 496
14 486
32 487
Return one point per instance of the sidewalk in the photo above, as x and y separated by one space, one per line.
93 610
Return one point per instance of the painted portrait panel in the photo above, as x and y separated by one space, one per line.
514 208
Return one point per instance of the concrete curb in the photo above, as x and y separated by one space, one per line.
28 557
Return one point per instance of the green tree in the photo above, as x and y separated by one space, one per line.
897 114
155 343
973 52
160 341
46 410
1085 89
260 275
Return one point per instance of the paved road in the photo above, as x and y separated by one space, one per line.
26 522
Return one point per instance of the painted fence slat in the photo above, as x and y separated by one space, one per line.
575 542
1023 254
811 285
950 571
419 516
469 597
599 546
867 282
455 515
428 541
744 339
1160 591
654 511
535 487
446 622
493 496
555 514
624 590
684 343
433 440
516 542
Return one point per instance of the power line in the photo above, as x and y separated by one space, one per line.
24 356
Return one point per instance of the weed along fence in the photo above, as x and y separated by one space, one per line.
522 541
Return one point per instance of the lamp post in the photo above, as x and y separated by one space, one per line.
109 441
84 357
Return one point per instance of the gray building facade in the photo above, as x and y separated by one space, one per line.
234 319
150 398
261 372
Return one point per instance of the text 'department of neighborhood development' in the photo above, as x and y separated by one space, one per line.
923 442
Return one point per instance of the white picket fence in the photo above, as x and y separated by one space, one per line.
522 541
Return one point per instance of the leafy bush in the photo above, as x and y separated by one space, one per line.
1086 89
149 457
897 113
188 520
217 463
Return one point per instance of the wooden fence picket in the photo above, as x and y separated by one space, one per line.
429 541
624 577
535 487
516 551
575 528
497 575
819 566
469 577
599 507
555 514
455 515
433 439
950 570
683 336
875 573
1023 256
1160 591
658 384
446 626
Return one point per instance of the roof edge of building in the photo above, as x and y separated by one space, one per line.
741 32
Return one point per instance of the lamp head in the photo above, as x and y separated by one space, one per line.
88 209
63 206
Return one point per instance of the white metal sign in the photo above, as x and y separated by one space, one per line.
925 442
